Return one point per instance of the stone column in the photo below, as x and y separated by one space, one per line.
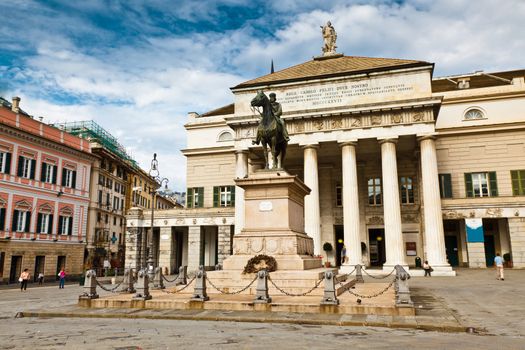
224 238
132 259
194 247
395 254
312 215
241 171
166 251
434 233
351 220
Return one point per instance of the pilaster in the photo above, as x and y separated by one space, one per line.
241 171
194 247
224 242
166 249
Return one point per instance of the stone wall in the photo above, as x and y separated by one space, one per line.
476 255
517 241
224 237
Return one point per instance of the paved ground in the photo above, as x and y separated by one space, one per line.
475 298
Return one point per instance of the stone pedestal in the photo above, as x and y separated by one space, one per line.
273 223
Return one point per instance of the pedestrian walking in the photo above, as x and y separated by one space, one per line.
498 263
24 278
62 278
40 278
344 258
428 269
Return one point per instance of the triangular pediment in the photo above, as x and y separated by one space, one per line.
45 208
66 211
327 68
23 205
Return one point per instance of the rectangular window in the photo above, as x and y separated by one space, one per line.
69 178
518 182
44 223
224 196
338 195
115 203
374 191
407 190
21 221
114 220
445 185
49 173
65 225
195 197
483 184
5 162
26 167
101 180
122 204
2 222
108 199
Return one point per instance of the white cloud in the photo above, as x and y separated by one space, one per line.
141 90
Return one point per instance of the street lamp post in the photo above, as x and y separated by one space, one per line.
154 173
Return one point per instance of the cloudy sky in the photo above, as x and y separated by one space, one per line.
137 67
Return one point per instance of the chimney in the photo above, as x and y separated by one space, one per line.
15 106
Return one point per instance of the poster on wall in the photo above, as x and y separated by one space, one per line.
411 248
474 230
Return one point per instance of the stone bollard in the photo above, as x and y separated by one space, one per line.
90 285
330 296
199 293
401 287
142 286
127 283
158 282
359 274
182 278
262 296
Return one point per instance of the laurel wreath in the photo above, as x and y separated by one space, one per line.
253 265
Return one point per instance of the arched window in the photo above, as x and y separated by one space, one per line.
473 114
225 136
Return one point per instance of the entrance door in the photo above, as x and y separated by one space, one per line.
178 250
451 246
339 242
16 268
39 266
61 263
490 250
377 246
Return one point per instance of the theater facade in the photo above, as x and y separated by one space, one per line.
402 166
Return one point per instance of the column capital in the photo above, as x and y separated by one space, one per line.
309 145
348 143
393 140
423 137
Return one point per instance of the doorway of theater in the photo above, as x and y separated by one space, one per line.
376 242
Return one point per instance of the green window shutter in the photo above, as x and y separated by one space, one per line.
63 176
189 198
7 169
232 189
201 196
493 184
515 182
43 171
74 180
20 169
15 220
447 184
216 196
2 219
39 223
521 176
468 185
50 225
33 167
60 222
28 221
70 226
55 170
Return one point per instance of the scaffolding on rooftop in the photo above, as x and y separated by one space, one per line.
90 130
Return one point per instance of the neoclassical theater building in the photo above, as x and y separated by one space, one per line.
400 165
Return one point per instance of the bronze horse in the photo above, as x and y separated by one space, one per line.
270 130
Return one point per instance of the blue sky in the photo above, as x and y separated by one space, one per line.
137 67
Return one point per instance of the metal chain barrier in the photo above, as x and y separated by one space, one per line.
378 277
350 273
292 294
179 290
167 280
231 293
375 294
112 290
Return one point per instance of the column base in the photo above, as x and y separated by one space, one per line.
439 271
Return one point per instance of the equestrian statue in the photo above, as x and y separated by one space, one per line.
272 130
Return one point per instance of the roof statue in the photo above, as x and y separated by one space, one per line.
329 37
